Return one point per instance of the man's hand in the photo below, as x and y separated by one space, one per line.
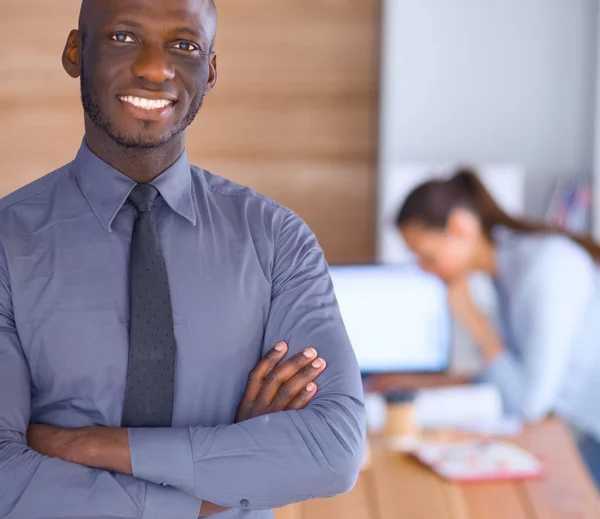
274 387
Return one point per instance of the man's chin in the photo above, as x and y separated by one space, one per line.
140 142
141 136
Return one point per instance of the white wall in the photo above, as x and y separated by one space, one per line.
504 181
596 197
491 81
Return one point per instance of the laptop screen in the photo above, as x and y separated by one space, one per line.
397 317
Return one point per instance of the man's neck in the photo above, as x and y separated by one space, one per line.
141 165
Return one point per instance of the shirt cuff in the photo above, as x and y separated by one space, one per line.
505 374
163 456
168 502
498 369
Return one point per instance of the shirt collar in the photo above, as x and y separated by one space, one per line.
106 189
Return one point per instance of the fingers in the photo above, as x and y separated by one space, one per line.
284 372
263 368
303 398
296 386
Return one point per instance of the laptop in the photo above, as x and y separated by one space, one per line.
397 317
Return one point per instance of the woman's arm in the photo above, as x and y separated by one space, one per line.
478 327
474 320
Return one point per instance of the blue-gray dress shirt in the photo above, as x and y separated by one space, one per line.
244 273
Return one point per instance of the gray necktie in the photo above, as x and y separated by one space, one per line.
150 374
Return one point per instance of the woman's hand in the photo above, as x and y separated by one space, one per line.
475 321
459 297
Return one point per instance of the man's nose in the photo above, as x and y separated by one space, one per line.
153 64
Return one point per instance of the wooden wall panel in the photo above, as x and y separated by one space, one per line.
294 114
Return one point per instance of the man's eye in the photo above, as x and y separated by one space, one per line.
186 46
121 37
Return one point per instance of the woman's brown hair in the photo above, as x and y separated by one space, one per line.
433 202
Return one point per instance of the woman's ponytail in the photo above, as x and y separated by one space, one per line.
434 201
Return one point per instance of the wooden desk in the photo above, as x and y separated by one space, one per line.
395 487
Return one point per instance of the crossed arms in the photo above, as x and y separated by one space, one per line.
264 461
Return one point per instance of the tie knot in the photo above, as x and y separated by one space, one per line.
142 197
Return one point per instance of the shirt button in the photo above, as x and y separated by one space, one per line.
244 503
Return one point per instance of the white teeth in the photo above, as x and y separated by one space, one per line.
146 104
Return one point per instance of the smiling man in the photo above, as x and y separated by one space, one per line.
170 343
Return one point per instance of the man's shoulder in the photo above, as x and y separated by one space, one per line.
37 188
240 204
223 187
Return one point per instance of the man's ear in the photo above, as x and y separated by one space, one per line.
71 58
463 222
212 78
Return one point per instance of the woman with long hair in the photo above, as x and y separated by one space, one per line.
545 356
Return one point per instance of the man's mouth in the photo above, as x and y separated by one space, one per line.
146 104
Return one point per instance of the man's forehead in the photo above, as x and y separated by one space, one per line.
97 12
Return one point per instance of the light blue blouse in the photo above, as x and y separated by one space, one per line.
549 301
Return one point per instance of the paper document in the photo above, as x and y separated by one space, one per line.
476 408
479 460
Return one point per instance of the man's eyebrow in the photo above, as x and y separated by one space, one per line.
190 32
186 30
128 23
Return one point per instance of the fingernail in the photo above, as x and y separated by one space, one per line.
309 353
280 346
310 386
317 363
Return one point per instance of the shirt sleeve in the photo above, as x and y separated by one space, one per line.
33 486
281 458
549 312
